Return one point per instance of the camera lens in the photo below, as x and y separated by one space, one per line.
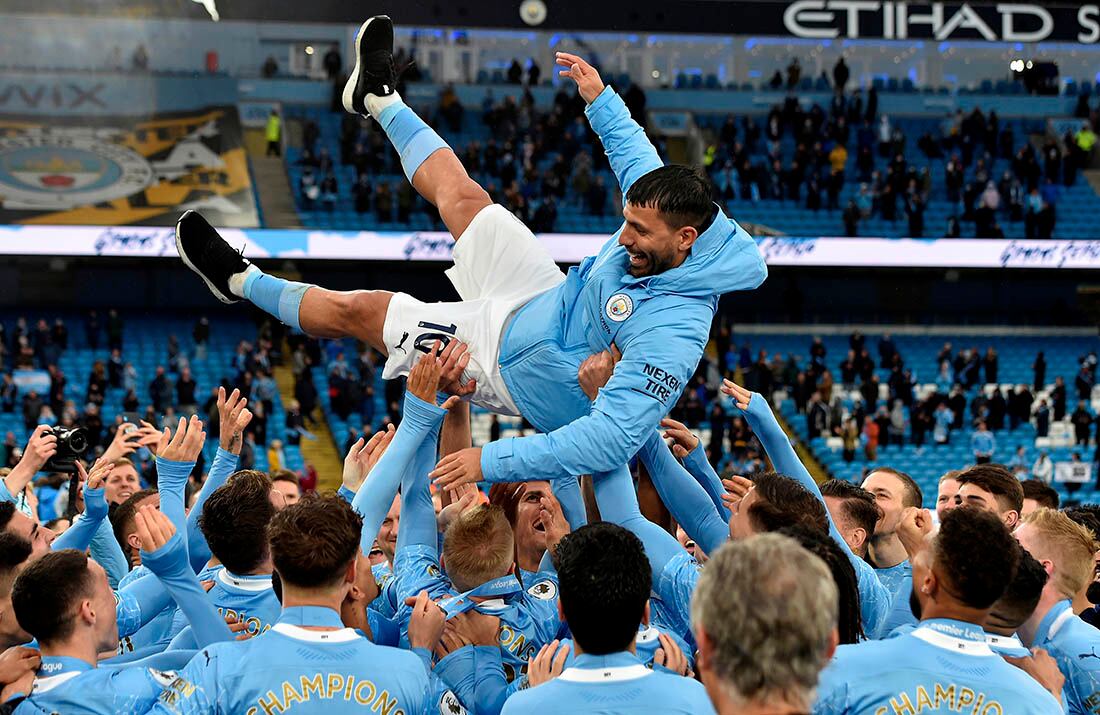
78 441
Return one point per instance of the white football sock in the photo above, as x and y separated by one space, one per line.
236 281
376 104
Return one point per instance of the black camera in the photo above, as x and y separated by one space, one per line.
71 446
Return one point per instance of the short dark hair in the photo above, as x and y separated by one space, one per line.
858 503
850 620
1087 515
506 495
313 541
998 481
234 520
913 494
1041 492
604 581
285 475
781 501
680 194
7 511
44 594
125 514
976 554
14 551
1022 595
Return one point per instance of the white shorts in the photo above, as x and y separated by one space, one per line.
499 266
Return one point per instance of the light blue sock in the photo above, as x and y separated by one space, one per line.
277 296
414 140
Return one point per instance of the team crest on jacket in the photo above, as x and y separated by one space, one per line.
544 590
619 307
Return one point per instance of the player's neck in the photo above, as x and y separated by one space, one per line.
632 648
297 598
954 611
1030 627
886 551
528 559
78 646
1081 602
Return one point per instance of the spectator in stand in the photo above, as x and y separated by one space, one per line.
1043 469
1082 424
870 438
361 192
943 419
308 189
983 444
1084 382
794 73
841 73
515 72
1058 398
270 67
185 392
333 63
273 131
849 433
160 390
330 192
113 330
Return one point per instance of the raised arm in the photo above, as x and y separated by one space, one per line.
233 417
164 553
79 536
40 447
685 498
688 449
176 455
875 599
629 151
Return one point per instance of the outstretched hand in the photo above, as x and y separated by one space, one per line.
233 417
363 455
424 378
461 467
186 444
454 360
739 394
684 441
585 75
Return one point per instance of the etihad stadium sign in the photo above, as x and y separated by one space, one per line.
899 20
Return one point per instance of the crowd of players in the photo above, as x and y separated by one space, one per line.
390 595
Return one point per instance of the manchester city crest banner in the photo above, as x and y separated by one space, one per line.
125 171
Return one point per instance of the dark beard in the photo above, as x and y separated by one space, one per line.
1093 592
914 604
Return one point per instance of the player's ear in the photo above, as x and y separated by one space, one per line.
134 542
702 656
685 238
561 613
834 641
645 614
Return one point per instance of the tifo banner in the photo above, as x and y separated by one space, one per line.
151 242
125 171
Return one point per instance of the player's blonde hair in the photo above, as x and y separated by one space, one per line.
478 547
1067 544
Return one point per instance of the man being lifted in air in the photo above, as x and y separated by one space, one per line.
650 293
